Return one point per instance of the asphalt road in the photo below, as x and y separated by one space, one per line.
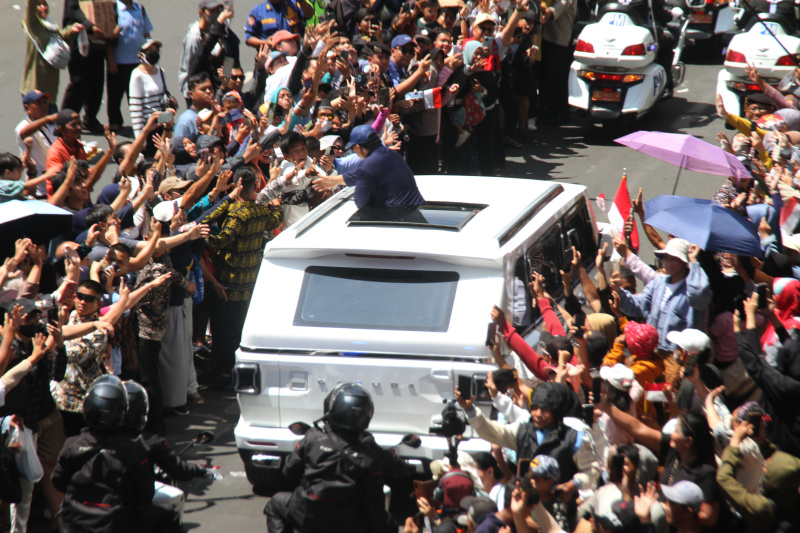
577 153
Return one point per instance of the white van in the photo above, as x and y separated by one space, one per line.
399 302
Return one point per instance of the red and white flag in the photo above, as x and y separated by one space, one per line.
621 209
790 215
432 98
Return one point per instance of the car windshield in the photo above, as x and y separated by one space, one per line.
413 300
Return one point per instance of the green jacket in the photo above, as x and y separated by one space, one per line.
761 511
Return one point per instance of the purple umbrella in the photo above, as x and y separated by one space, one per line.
686 152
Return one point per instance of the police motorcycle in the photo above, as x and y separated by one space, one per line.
615 75
769 43
708 20
167 494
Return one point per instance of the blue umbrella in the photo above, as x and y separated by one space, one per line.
704 223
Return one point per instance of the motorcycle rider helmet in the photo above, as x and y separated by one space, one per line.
138 406
349 407
105 378
105 404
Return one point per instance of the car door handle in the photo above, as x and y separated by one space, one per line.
442 375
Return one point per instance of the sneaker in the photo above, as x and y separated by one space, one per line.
180 410
532 124
195 399
462 138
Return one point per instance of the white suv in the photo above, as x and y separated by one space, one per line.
399 302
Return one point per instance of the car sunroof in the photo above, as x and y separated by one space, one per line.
433 215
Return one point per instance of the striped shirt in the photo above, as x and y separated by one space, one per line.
144 96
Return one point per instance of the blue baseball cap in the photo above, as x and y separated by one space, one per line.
32 96
401 40
361 135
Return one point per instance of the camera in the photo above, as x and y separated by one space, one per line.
454 421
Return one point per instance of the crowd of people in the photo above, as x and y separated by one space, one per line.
663 400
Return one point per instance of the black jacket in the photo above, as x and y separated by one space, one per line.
781 391
104 478
339 479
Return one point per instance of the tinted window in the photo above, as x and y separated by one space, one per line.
579 233
413 300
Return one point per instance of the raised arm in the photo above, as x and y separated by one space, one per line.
641 432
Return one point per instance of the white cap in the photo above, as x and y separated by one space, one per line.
678 248
691 340
164 211
684 493
619 375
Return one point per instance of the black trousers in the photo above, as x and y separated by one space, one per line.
277 511
485 141
148 377
227 321
554 79
117 86
85 89
422 154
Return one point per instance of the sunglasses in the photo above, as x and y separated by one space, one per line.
407 51
238 77
88 298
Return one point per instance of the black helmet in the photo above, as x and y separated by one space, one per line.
105 378
349 407
138 406
105 404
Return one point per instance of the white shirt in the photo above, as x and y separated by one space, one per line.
42 140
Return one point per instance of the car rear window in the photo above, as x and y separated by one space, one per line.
361 298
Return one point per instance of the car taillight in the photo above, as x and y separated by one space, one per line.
741 87
583 46
785 61
247 378
634 50
735 57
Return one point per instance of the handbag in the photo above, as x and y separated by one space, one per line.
167 100
56 53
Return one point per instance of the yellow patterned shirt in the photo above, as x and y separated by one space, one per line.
240 244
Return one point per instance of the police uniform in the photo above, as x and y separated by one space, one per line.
105 478
383 179
265 19
339 477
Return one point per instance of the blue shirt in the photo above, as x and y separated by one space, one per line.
265 19
187 125
684 308
133 24
383 179
396 74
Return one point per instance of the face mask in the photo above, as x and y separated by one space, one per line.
151 58
30 330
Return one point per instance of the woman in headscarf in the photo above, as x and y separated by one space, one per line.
282 97
605 324
786 294
481 113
